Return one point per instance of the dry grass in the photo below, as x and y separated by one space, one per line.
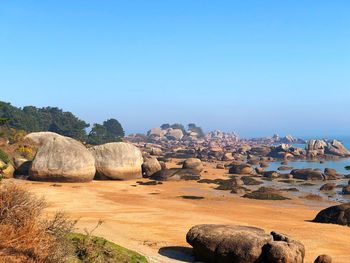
25 234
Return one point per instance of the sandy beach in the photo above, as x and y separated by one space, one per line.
154 220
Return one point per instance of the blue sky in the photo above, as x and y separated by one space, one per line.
255 67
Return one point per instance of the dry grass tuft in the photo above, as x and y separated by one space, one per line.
25 234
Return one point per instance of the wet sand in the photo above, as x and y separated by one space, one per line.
154 220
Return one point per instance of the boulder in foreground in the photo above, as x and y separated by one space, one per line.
242 244
117 161
60 159
338 214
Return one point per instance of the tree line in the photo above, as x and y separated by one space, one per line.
33 119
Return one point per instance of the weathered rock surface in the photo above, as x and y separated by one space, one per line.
60 159
338 214
242 244
193 163
150 166
117 161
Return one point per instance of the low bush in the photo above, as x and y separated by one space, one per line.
25 234
4 157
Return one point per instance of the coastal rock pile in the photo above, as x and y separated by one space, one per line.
316 148
242 244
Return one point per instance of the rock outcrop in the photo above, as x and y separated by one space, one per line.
242 244
60 159
323 147
117 161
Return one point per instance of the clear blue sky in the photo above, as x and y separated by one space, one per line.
256 67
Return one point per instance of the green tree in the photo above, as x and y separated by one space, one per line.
165 126
110 131
178 126
32 119
114 128
3 121
194 128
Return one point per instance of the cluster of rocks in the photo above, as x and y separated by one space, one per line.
245 244
323 148
276 139
220 146
63 159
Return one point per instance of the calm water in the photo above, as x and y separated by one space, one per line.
314 187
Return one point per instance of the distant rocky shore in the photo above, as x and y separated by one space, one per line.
217 145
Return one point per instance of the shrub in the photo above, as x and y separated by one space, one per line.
4 157
89 248
25 235
26 152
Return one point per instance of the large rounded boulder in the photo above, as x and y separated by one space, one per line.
227 243
193 163
117 161
338 214
242 244
60 159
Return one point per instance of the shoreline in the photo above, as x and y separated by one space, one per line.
149 218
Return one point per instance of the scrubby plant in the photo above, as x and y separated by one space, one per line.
89 248
4 157
28 235
26 152
25 234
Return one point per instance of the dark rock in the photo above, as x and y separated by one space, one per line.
328 187
248 180
346 190
241 169
265 193
339 214
259 170
308 174
270 174
175 174
323 259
